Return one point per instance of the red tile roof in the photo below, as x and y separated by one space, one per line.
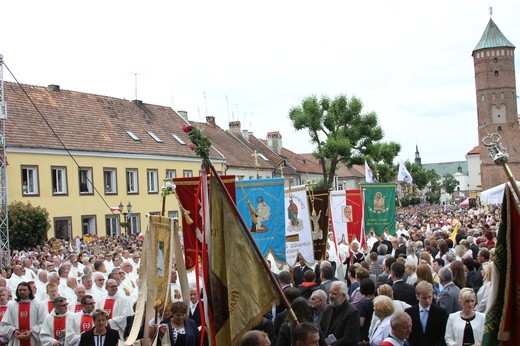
89 122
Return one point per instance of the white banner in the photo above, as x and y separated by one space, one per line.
298 231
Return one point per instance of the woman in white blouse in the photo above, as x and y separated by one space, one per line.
483 292
383 309
465 327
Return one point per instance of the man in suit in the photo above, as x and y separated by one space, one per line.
340 320
381 240
402 291
398 247
299 270
196 308
428 321
449 296
384 277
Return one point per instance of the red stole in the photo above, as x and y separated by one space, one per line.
24 320
78 308
109 307
50 306
86 323
3 309
59 326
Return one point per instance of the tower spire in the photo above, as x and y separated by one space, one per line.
417 156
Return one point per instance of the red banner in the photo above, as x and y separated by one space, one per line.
189 193
355 204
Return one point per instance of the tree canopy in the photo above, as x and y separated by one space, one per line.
342 133
27 225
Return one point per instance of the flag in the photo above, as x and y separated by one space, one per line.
503 315
263 200
379 208
298 229
187 191
162 245
240 290
115 209
403 174
369 175
318 201
453 234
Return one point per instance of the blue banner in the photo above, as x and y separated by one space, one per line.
261 205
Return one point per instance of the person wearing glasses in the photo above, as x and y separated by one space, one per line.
98 289
55 324
81 321
100 335
117 306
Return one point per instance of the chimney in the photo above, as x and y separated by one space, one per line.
210 120
245 135
235 128
138 102
54 87
274 141
183 115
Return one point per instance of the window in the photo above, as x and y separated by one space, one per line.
187 173
153 180
171 174
30 181
172 214
132 135
131 181
496 73
178 139
110 180
154 136
85 181
88 225
133 224
112 225
59 180
63 228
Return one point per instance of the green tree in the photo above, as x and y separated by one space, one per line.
341 133
434 195
27 225
449 183
421 177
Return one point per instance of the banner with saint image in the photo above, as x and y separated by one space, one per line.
298 229
379 207
261 205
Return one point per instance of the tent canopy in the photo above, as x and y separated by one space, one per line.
494 195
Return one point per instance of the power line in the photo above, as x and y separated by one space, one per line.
57 137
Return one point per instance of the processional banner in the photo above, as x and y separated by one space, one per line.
379 207
298 231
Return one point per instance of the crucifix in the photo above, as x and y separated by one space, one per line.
255 154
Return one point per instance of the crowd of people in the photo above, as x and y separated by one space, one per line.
419 285
426 285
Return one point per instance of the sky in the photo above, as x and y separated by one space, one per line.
408 61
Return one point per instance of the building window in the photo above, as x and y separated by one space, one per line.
496 73
153 180
154 136
187 173
171 174
85 181
132 135
59 180
63 228
172 214
88 225
133 224
30 185
131 181
110 180
499 128
112 225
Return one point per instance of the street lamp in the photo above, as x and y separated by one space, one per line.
124 223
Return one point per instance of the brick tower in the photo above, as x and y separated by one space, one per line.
494 63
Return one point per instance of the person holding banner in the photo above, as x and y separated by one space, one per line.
179 330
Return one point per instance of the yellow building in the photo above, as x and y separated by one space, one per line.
78 155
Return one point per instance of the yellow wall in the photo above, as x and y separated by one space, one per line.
75 205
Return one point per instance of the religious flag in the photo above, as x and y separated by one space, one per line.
453 234
369 175
503 314
188 192
403 174
379 208
298 230
319 203
261 205
240 290
162 245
